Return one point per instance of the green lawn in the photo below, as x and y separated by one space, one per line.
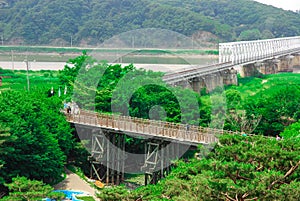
86 198
17 80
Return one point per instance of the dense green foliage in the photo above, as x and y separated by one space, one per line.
129 91
239 168
23 189
42 137
90 22
263 105
292 131
4 137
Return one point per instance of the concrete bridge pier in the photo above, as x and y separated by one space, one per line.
296 60
230 77
266 67
271 66
198 83
211 81
249 70
286 63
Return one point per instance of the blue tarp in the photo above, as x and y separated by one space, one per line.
69 194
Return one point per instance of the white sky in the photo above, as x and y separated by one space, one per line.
285 4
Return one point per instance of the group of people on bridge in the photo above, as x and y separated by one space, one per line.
71 108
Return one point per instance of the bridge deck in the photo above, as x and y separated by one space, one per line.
240 53
197 71
149 128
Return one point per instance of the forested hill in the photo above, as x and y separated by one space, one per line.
39 22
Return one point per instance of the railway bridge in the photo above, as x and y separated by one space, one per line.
251 57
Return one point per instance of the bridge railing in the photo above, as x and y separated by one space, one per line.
248 51
172 131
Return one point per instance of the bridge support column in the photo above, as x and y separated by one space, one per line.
152 160
158 160
286 63
265 68
296 61
212 81
269 67
198 84
230 77
250 70
107 157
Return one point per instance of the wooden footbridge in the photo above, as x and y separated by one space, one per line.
162 144
181 133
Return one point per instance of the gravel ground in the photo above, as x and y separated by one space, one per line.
74 182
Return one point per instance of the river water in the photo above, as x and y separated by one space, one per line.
35 66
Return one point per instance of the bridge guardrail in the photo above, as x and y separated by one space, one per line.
172 131
247 51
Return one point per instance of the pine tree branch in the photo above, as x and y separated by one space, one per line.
290 172
228 197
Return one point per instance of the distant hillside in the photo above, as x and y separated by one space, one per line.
88 22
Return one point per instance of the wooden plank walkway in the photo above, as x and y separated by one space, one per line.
149 128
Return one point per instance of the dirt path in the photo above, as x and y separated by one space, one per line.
74 182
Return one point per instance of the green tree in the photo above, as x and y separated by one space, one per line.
292 131
4 136
42 137
253 34
278 107
23 189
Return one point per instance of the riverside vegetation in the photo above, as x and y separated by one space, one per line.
36 142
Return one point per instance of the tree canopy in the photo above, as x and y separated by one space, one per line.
90 22
42 138
23 189
265 105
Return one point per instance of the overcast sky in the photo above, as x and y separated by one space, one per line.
285 4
